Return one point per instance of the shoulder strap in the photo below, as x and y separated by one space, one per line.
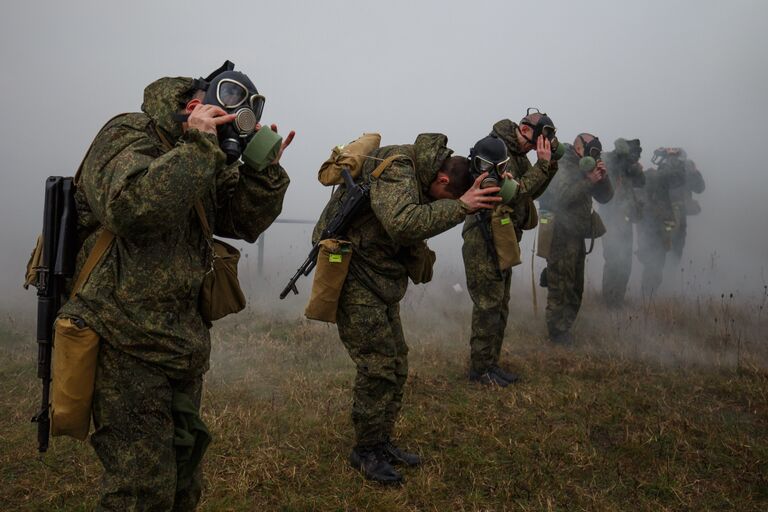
103 242
203 219
384 164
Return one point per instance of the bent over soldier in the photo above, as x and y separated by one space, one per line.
422 193
140 181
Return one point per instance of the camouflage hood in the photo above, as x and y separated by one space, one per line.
506 130
430 151
162 99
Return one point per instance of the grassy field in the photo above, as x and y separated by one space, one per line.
663 406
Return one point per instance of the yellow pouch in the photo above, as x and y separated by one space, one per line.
330 273
352 156
420 262
73 373
546 230
505 238
30 278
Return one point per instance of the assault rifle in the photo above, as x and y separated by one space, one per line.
59 251
355 197
481 221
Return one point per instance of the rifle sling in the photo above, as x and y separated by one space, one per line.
103 243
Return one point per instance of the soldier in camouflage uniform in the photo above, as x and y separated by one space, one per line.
140 180
619 215
489 287
655 229
683 204
569 198
416 197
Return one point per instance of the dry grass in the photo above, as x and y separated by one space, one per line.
662 406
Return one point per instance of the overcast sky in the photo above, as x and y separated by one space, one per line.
690 74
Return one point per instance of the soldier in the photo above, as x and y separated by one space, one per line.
488 285
619 215
655 229
683 205
419 195
140 180
583 176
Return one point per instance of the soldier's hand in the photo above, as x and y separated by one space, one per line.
543 148
598 173
207 118
286 142
477 198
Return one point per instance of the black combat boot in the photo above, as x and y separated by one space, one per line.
373 464
507 376
487 378
396 456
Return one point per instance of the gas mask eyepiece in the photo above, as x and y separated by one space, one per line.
541 123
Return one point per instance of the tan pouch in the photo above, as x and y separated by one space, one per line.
597 228
420 262
352 156
546 230
30 278
73 374
220 292
532 217
330 273
505 238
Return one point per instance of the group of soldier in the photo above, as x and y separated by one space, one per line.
146 174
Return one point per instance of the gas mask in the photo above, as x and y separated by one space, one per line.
593 151
234 92
668 155
542 126
489 154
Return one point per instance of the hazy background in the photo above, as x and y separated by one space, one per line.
690 74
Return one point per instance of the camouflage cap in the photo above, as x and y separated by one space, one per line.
430 153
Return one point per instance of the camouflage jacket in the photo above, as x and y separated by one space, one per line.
626 176
658 211
682 199
400 214
533 179
570 196
142 297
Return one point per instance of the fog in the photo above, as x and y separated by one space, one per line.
689 74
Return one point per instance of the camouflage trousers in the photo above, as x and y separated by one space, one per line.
652 247
373 336
617 253
678 242
134 435
565 281
489 290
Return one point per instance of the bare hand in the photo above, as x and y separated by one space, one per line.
598 173
286 142
477 198
543 148
207 118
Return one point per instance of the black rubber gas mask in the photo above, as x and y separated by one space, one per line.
543 126
593 151
489 155
234 92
